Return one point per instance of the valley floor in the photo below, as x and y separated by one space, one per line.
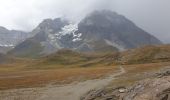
25 85
72 91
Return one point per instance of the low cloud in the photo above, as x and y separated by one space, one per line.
151 15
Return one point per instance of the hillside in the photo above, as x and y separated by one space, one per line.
66 58
3 58
146 54
12 61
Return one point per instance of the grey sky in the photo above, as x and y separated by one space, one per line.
151 15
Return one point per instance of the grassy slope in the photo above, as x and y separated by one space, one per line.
62 67
146 54
66 66
68 58
18 78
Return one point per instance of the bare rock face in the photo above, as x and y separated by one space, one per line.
155 89
115 30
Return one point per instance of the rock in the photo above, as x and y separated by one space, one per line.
94 94
110 97
164 73
165 97
122 90
148 89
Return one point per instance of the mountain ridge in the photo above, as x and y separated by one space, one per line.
99 31
10 38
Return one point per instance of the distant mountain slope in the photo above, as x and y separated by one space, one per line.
10 38
100 31
146 54
69 58
5 59
42 41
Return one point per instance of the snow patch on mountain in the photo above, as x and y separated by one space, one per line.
68 29
77 37
6 45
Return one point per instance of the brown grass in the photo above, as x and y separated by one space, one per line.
37 78
17 77
67 66
138 72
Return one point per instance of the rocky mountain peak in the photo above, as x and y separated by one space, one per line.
105 19
54 25
98 31
116 29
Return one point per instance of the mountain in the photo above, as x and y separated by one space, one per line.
99 31
10 38
43 41
115 30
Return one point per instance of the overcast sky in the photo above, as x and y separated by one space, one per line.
151 15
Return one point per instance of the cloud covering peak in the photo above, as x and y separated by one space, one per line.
151 15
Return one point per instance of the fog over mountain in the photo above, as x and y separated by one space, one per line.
100 31
151 15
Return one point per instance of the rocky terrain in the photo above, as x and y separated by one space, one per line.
154 88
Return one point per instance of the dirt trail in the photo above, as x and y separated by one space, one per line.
72 91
